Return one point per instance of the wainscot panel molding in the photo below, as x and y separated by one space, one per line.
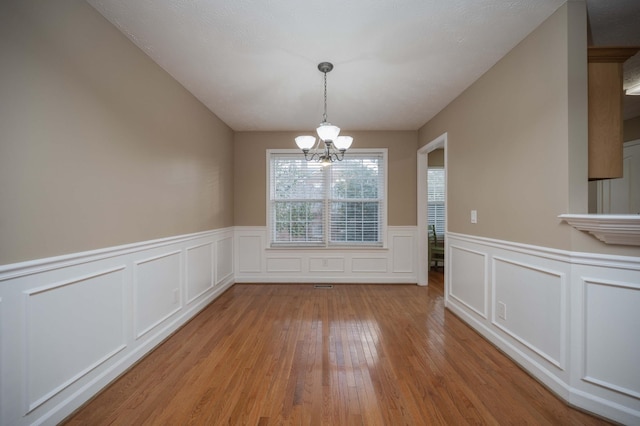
469 285
570 319
607 302
257 262
527 289
156 291
199 275
70 325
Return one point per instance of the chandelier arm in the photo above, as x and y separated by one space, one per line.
339 156
318 150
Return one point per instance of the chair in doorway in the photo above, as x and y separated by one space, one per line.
436 249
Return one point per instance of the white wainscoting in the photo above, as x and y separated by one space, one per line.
570 319
71 324
256 262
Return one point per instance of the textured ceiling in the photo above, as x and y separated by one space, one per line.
397 62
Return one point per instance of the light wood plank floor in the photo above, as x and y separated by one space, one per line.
352 355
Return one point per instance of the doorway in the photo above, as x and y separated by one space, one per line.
423 206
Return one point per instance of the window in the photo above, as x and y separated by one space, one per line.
435 198
342 204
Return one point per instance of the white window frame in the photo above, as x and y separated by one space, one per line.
327 245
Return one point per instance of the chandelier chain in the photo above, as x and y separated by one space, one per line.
324 116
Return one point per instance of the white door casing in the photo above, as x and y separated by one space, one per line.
423 235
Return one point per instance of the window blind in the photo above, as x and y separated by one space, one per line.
297 200
342 204
436 198
356 199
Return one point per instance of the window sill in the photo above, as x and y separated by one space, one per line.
621 229
324 248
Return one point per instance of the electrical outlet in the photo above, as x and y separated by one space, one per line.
176 296
474 216
502 310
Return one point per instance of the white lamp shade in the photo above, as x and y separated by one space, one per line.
305 142
343 142
328 132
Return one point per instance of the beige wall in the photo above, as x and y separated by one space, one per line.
436 158
509 137
98 145
250 172
632 129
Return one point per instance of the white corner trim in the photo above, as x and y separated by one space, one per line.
608 228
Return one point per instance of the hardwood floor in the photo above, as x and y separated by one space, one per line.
351 355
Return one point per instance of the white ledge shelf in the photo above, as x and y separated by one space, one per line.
609 228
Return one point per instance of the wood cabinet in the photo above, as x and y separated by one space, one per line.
605 110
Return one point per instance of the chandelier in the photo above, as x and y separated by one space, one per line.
330 147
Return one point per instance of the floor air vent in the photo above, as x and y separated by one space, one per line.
323 286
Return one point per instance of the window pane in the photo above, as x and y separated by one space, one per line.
297 179
298 221
435 184
356 178
355 221
357 186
